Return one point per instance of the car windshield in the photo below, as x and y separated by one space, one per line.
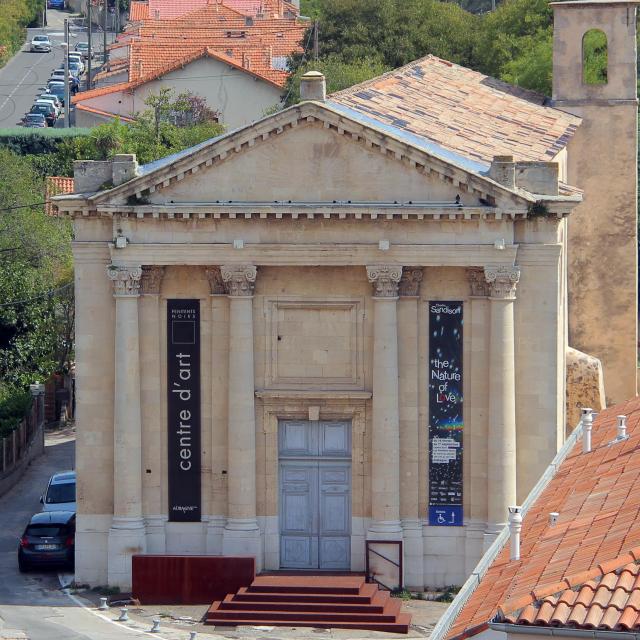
82 45
45 530
59 493
41 38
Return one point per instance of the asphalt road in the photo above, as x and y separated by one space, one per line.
25 76
32 605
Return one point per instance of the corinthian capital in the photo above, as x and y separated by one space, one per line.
239 279
502 281
125 280
410 281
478 283
152 278
216 283
385 280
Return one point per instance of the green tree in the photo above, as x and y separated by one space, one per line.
170 124
35 275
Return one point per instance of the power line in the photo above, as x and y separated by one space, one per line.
45 294
302 61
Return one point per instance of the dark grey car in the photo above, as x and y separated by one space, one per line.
48 540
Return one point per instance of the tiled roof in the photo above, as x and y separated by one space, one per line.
168 9
463 110
609 601
272 76
55 186
138 11
597 495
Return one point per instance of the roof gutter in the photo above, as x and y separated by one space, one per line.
446 621
563 632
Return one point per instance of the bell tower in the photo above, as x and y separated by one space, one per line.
595 78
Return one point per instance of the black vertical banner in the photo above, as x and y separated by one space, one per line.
183 391
445 414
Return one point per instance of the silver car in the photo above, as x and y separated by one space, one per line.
40 43
60 494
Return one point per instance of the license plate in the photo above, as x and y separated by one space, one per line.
46 547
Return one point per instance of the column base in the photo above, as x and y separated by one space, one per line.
215 532
156 534
384 530
242 537
491 533
127 536
413 562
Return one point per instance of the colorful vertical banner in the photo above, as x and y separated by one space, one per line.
183 391
445 414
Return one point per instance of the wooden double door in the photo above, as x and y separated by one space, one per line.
315 494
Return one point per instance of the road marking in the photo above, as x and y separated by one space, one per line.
77 601
29 70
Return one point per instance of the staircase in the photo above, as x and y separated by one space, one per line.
344 602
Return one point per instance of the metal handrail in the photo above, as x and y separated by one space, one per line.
399 564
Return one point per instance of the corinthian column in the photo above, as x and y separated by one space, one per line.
127 532
385 442
241 535
502 401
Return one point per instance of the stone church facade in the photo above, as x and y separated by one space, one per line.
265 330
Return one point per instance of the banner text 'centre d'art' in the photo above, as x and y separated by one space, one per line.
183 390
445 413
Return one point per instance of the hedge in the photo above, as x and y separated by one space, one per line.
36 141
14 407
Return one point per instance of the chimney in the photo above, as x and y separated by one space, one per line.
622 428
313 87
503 171
537 177
587 424
515 525
90 175
125 168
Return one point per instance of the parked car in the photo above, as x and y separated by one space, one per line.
74 83
40 43
56 4
83 49
47 103
47 110
77 57
76 68
51 99
48 540
60 494
34 121
57 89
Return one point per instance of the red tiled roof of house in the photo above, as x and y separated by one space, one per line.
609 601
170 9
463 111
138 11
272 76
55 186
597 495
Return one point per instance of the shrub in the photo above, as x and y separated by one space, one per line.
25 142
14 406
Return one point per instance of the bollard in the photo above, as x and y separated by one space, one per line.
103 604
156 626
124 615
193 635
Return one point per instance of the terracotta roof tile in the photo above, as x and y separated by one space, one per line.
138 11
584 571
55 186
464 111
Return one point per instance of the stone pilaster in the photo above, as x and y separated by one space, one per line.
385 445
151 403
241 534
219 394
127 532
409 291
501 439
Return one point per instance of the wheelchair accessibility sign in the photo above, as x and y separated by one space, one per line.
445 516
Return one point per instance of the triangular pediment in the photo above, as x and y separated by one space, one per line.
313 152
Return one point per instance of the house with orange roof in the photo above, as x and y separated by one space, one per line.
575 568
238 64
